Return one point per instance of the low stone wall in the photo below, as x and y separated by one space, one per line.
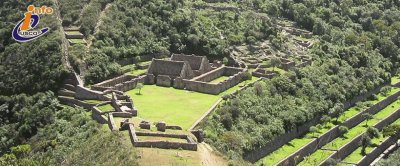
191 145
304 64
354 143
123 114
74 102
207 77
122 83
263 73
98 116
205 87
83 93
166 145
170 135
111 123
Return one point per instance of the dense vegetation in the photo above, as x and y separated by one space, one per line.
358 49
28 67
392 160
131 29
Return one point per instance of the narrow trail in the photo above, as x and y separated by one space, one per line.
100 19
65 43
208 156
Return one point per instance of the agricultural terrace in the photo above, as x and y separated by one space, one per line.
298 143
175 106
321 155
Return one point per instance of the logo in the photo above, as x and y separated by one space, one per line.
23 31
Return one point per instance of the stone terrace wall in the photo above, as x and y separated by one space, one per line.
354 143
205 87
74 102
207 77
334 132
376 152
111 123
122 83
279 141
83 93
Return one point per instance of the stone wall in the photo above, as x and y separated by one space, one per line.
279 141
163 80
207 77
74 102
377 151
98 116
170 68
154 134
354 143
334 132
83 93
166 145
122 83
263 73
236 76
111 123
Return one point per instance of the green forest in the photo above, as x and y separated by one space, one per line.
356 50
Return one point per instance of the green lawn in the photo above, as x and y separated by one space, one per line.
137 72
92 101
395 80
316 158
219 79
175 106
77 41
106 108
280 71
284 151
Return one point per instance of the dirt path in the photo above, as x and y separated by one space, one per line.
208 156
100 20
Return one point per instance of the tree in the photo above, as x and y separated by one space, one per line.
343 130
391 130
326 119
139 86
367 117
365 142
373 132
313 130
337 110
225 61
275 62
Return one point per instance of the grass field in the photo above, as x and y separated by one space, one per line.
316 158
106 108
395 80
137 72
174 106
